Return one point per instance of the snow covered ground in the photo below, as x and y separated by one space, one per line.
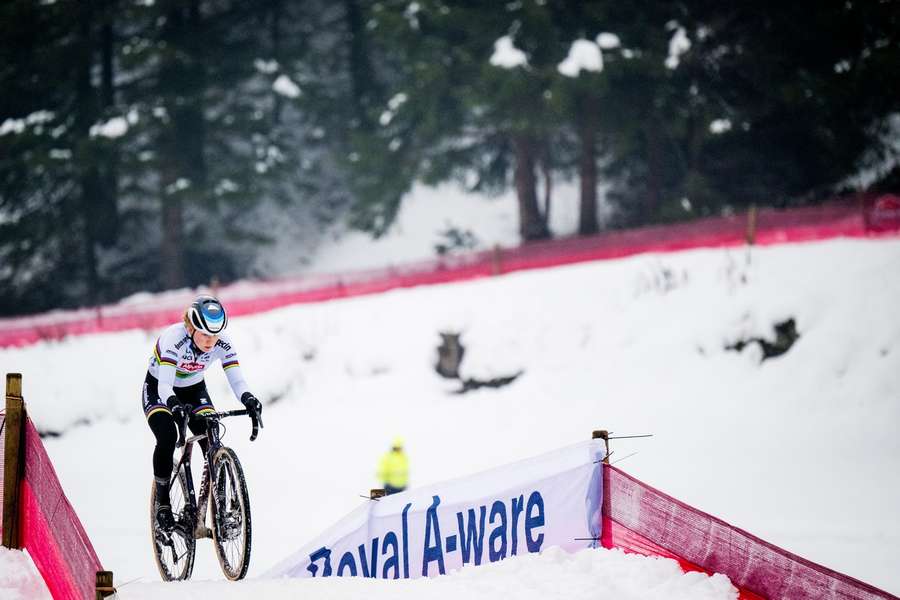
19 579
800 450
553 574
427 214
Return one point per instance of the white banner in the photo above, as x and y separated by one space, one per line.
549 500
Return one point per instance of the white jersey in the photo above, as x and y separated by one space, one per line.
177 362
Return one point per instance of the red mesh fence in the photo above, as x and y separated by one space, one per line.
50 529
858 217
638 518
883 213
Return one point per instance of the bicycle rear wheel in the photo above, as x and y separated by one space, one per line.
230 505
174 550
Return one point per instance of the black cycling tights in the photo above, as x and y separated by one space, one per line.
163 427
162 424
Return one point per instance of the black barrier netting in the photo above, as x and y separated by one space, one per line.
751 563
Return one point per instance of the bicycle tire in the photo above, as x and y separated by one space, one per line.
230 507
174 551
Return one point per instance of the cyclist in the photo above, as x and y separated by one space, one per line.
174 386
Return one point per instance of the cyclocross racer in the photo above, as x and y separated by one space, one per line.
175 382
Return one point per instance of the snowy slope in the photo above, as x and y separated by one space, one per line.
426 215
800 450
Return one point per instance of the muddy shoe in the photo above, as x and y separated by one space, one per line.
165 520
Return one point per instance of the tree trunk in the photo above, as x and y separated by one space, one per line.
193 135
362 73
172 266
182 156
107 53
275 13
107 222
653 196
89 177
532 225
173 155
547 171
587 171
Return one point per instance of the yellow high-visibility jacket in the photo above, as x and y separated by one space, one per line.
394 469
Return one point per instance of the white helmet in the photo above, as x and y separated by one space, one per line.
208 315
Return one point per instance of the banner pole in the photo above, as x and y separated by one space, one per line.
14 463
602 434
104 586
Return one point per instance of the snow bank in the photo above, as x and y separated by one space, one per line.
587 575
19 580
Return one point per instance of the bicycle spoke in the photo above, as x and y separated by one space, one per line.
174 550
232 515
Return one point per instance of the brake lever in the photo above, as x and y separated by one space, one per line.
257 423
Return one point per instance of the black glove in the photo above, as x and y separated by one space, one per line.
253 406
179 411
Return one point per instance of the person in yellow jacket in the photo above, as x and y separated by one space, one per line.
393 470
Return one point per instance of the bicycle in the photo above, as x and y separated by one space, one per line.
229 506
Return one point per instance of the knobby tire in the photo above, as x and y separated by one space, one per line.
230 508
175 551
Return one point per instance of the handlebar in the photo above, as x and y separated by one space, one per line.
255 419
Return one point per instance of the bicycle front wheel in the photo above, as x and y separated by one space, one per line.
174 550
230 505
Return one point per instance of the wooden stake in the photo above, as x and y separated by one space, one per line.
14 459
751 225
602 434
104 585
496 261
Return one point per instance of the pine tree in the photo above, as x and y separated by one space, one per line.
58 196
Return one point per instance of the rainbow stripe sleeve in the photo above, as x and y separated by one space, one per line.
160 358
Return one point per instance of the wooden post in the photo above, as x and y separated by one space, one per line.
104 585
602 434
13 456
751 225
496 262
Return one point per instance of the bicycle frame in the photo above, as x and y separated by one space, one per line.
201 504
